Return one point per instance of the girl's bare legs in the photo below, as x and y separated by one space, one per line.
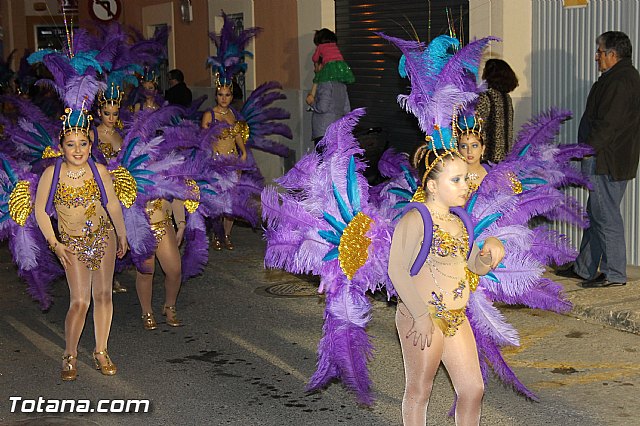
170 261
144 285
102 292
169 258
79 281
460 358
420 367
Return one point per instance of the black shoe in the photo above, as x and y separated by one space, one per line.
600 281
568 273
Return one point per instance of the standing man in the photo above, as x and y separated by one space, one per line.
178 93
611 125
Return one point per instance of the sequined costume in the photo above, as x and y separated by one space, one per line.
159 212
83 223
442 285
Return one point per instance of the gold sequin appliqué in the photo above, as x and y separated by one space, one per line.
239 128
90 246
444 244
20 202
159 229
80 196
516 185
107 150
125 186
447 320
354 245
192 204
419 196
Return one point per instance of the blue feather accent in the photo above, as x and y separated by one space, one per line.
139 172
492 277
533 181
7 168
401 192
409 178
142 181
334 222
485 222
352 186
331 254
472 202
400 204
138 160
208 191
524 150
127 152
330 236
342 206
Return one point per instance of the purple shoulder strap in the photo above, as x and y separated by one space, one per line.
428 232
98 179
54 184
428 236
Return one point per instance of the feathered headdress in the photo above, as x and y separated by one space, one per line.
469 124
74 77
229 58
443 82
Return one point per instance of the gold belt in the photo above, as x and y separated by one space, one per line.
159 229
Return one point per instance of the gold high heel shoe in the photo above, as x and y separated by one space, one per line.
227 242
108 369
173 322
148 321
217 245
69 372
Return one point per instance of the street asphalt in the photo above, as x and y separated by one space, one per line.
248 347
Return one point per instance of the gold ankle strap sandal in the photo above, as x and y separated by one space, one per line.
148 321
108 368
69 372
173 321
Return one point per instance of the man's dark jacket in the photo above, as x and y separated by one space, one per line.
611 121
179 94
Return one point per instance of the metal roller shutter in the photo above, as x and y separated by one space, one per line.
375 62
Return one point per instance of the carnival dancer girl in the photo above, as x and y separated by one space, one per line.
109 139
88 210
161 214
230 142
430 317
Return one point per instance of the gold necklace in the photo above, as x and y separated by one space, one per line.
223 112
77 174
109 132
449 217
472 176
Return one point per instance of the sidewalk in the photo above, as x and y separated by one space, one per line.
618 307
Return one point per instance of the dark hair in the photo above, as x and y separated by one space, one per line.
323 36
499 76
616 41
177 75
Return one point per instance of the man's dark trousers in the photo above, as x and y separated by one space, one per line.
603 243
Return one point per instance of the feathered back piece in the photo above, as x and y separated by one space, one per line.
443 79
74 77
229 58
